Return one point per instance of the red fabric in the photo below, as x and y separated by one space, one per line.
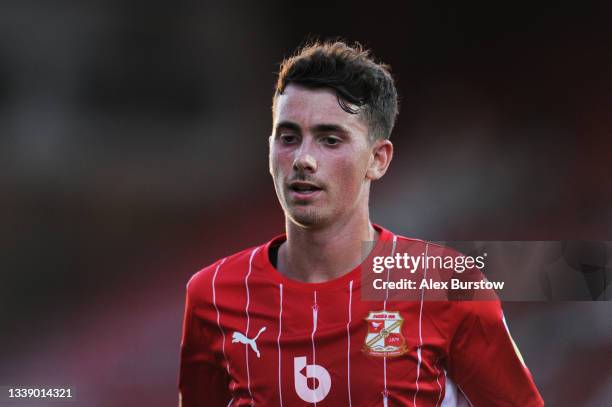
466 339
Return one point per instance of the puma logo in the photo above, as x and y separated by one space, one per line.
239 337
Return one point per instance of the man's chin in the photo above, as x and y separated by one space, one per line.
306 218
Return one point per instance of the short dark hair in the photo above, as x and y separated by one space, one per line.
353 74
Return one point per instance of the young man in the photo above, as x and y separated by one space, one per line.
284 323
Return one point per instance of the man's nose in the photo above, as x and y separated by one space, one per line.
305 160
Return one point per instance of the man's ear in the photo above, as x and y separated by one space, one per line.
381 156
270 141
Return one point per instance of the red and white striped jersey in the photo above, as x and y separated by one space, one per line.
251 336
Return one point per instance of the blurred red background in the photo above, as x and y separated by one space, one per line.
133 138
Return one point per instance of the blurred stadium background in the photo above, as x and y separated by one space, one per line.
133 142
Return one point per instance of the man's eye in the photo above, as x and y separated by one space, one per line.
331 141
288 138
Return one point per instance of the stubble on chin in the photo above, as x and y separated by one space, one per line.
305 217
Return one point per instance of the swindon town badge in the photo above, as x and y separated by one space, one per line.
384 336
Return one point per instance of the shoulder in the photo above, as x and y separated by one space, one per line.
439 262
200 285
424 247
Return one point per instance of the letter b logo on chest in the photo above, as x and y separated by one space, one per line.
302 372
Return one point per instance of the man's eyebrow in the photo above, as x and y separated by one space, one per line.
319 128
324 127
288 125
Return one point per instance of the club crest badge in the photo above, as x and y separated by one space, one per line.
384 337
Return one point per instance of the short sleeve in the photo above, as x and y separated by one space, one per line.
484 361
203 381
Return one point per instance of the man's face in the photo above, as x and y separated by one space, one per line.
319 157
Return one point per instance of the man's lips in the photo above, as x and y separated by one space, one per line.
303 189
303 186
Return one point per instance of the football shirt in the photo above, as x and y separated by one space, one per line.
252 336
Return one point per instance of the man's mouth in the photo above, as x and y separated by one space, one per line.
303 188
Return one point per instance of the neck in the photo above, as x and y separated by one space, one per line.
320 254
